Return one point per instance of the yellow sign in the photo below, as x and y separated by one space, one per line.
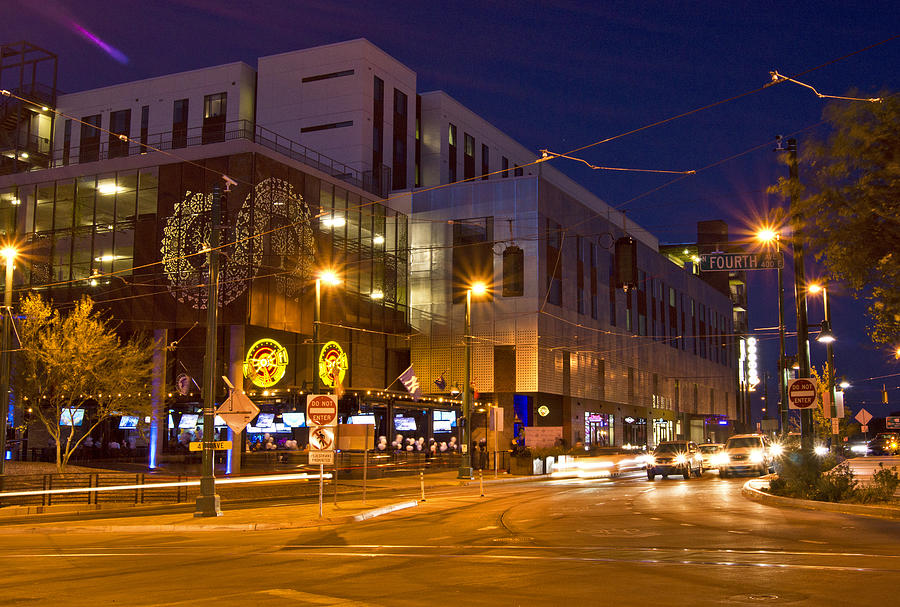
543 410
333 364
219 445
266 363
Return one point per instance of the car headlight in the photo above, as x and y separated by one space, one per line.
756 457
650 460
820 450
859 448
720 458
776 450
681 458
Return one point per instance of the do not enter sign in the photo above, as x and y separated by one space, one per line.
321 410
802 393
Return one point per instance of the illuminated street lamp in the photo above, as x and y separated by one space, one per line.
9 254
772 238
465 462
827 337
328 278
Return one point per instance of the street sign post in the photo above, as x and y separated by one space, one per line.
733 262
802 393
237 411
321 415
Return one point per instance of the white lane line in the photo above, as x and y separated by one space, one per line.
488 528
443 537
813 542
653 518
524 557
688 525
740 532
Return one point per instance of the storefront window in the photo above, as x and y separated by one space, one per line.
598 429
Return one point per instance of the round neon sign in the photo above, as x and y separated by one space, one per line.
333 364
266 363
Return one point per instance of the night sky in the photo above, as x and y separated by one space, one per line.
560 76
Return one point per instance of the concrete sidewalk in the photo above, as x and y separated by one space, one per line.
387 495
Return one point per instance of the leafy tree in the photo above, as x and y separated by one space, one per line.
849 199
76 360
821 419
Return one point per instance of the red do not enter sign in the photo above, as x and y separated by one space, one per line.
321 410
802 393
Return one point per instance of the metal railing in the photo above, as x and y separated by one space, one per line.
375 181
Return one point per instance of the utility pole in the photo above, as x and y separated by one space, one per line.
208 501
806 429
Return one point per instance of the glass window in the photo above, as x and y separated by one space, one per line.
65 203
85 189
126 196
215 105
147 194
43 216
106 200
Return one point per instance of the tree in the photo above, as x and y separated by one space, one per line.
821 419
849 201
73 361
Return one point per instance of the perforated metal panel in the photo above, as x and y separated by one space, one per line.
526 361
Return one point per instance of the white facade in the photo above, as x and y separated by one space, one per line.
331 88
237 80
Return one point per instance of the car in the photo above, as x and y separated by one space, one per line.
675 457
885 443
747 453
709 451
856 445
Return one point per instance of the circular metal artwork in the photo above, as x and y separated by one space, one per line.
266 363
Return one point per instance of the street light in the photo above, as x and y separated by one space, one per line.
329 278
465 462
827 337
9 254
772 237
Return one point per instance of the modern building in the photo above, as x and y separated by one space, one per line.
337 161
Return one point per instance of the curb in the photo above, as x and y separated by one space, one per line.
751 492
339 520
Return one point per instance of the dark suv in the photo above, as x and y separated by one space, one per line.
675 457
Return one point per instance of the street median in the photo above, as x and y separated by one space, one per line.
753 489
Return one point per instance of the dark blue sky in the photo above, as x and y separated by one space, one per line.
561 75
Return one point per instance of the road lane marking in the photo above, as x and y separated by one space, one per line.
688 525
813 542
313 599
587 559
488 528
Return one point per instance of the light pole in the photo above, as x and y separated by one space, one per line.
330 278
771 236
207 502
465 462
9 254
827 337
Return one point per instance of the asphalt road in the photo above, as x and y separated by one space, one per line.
623 542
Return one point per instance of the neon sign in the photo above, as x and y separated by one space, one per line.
333 364
266 363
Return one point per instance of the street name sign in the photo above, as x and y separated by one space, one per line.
863 417
219 445
733 262
237 411
892 422
321 410
802 393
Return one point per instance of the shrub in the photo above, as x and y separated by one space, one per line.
884 484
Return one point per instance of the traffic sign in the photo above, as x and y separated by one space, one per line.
321 438
219 445
892 422
802 393
321 409
237 410
321 458
863 417
733 262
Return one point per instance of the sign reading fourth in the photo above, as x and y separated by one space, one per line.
732 262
